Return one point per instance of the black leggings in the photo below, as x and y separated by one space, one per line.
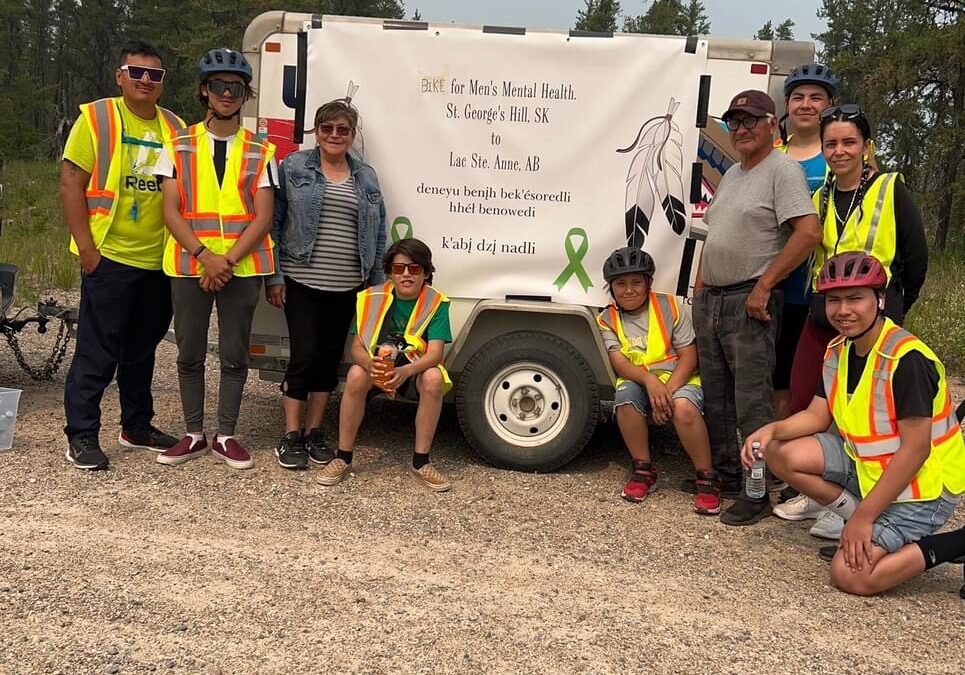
318 322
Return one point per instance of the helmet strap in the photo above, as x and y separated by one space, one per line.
879 299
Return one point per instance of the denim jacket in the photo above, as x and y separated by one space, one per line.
298 206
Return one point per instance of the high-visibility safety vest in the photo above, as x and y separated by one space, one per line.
660 358
867 421
875 234
218 214
372 306
104 120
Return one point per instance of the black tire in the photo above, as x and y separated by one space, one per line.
548 361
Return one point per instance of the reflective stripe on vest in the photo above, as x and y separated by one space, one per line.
875 234
868 421
372 306
218 213
660 355
104 122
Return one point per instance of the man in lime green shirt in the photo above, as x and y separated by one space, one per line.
112 207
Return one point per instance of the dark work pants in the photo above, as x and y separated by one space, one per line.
124 313
318 322
736 359
192 315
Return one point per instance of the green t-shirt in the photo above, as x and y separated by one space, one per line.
136 235
398 319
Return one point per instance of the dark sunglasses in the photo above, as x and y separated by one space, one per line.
735 123
331 129
219 87
415 269
155 75
848 111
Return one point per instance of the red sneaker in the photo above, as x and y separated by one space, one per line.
184 451
707 499
232 453
640 483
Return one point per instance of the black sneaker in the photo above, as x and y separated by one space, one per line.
728 489
149 438
317 448
745 511
84 452
291 451
826 553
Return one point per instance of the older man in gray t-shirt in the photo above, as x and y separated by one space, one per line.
761 225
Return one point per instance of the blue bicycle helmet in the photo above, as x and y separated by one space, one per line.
812 73
225 61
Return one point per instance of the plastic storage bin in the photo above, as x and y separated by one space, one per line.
9 401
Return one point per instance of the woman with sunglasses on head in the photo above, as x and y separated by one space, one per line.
407 316
860 210
217 206
329 228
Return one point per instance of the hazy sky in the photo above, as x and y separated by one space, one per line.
728 18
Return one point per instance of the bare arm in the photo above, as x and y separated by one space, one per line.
73 183
699 280
215 266
915 434
623 368
431 359
815 419
856 537
361 355
804 239
686 364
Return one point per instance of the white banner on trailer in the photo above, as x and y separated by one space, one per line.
517 157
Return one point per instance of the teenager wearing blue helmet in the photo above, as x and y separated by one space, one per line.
218 200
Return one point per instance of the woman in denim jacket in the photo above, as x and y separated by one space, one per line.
329 233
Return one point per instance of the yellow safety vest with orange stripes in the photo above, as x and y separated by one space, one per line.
876 233
866 419
660 357
218 214
103 118
372 306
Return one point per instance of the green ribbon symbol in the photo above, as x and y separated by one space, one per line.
575 258
399 222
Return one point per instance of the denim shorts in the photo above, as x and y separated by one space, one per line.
631 393
899 524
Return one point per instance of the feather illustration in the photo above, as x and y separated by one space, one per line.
655 176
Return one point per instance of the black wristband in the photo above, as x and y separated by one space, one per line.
201 249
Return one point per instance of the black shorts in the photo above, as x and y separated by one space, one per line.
792 323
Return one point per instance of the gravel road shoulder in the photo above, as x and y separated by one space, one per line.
200 569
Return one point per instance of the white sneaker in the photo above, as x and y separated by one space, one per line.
801 507
828 526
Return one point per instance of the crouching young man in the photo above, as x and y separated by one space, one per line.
895 468
408 310
652 351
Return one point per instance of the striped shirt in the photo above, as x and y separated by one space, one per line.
335 264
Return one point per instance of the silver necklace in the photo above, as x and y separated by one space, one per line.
843 221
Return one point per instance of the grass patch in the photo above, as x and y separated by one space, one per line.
34 236
938 317
35 239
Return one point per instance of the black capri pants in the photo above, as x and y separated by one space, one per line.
318 322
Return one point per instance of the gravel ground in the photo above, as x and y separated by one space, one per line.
201 569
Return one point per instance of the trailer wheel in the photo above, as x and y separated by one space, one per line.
527 401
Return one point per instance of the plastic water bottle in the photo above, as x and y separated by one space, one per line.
755 484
